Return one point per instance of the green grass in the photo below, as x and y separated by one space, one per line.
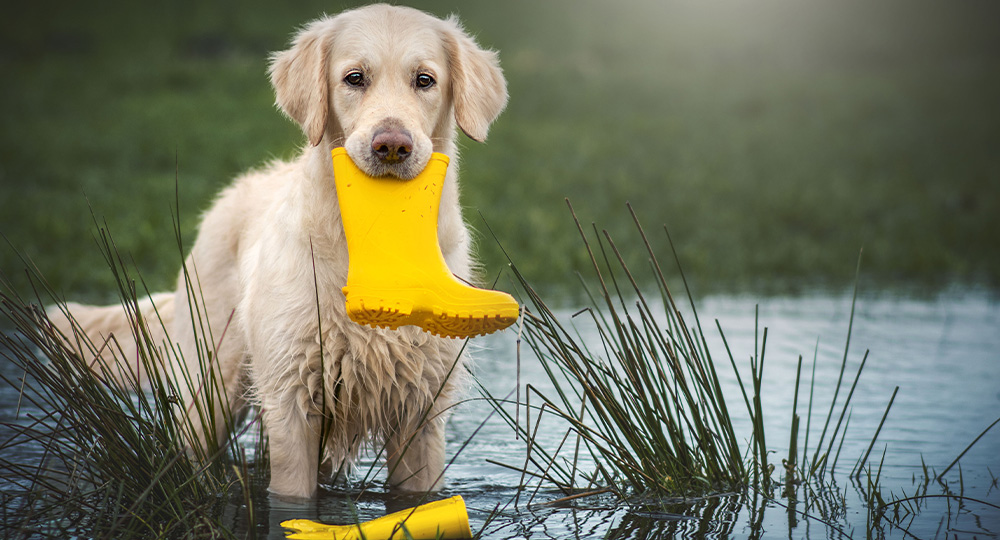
103 455
117 459
645 403
776 138
632 405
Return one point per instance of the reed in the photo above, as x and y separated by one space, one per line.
115 459
645 403
649 410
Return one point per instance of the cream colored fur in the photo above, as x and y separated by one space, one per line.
273 241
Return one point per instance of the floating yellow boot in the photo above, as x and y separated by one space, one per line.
440 519
397 274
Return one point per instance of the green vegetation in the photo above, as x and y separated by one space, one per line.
646 404
776 138
115 459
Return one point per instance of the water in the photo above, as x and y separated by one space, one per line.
943 354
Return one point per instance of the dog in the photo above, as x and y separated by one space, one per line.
261 287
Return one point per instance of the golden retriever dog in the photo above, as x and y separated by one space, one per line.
391 85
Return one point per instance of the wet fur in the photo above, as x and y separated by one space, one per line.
262 239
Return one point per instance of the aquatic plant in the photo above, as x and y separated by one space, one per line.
114 456
646 403
650 409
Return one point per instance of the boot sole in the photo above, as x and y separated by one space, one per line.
378 312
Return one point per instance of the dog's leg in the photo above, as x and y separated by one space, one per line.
293 438
417 463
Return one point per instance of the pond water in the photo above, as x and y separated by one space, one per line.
943 353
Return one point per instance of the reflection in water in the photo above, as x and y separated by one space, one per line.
709 517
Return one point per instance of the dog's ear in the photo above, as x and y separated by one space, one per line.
479 89
300 79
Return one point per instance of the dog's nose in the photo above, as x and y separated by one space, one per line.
392 145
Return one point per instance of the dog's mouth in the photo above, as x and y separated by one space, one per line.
406 169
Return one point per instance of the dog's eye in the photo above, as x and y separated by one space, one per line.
355 78
425 81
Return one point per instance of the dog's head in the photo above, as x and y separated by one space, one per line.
389 84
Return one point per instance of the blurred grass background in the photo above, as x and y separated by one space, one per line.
774 137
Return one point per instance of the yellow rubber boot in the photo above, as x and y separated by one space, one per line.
396 272
440 519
